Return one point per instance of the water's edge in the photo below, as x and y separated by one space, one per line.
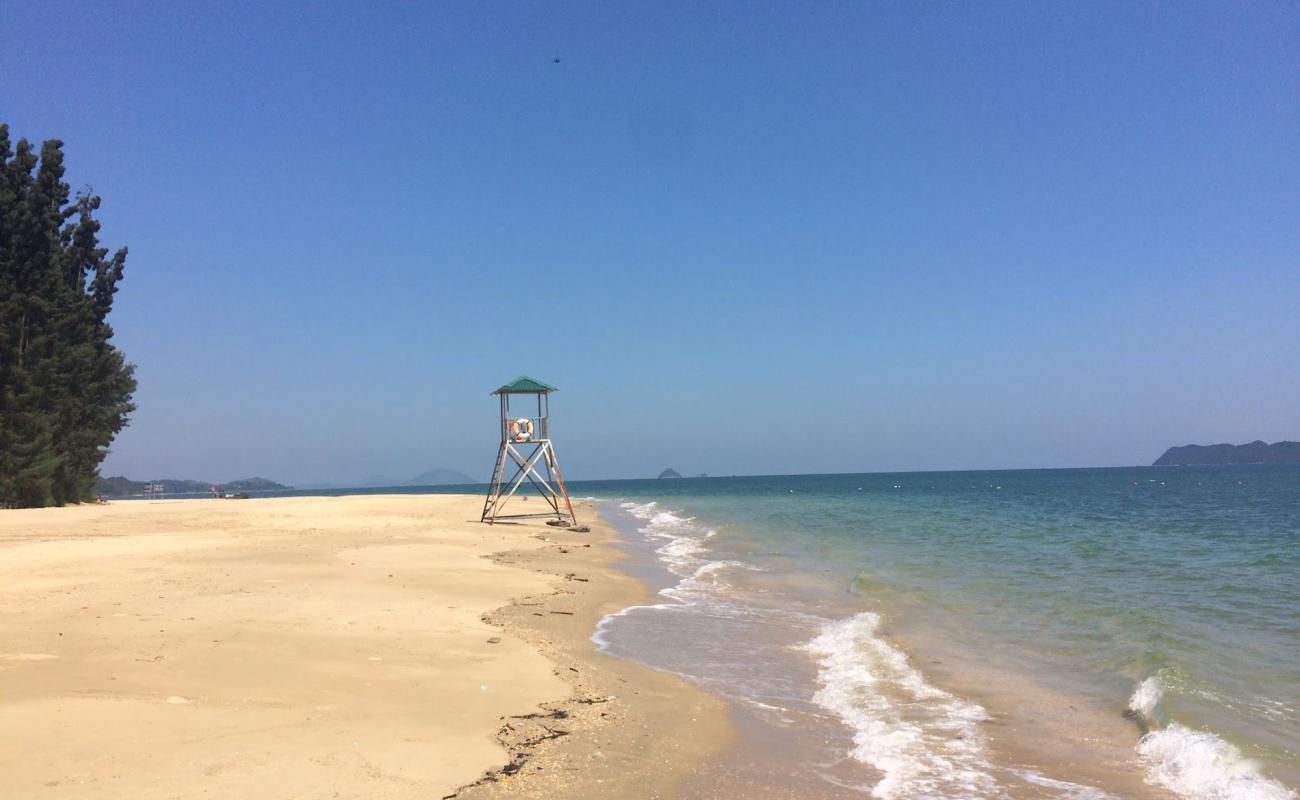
899 734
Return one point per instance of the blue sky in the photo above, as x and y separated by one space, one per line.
741 238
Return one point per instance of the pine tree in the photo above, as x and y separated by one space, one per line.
65 391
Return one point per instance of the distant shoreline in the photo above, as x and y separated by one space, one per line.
577 487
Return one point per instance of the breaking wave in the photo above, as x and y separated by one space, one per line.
1195 764
925 741
680 544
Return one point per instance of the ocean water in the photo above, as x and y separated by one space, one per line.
1044 633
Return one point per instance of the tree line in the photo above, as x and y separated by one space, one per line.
65 390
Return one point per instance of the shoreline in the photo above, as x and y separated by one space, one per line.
376 645
625 730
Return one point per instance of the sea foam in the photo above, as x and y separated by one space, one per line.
1196 764
681 543
925 741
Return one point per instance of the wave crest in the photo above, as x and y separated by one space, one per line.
927 742
1196 764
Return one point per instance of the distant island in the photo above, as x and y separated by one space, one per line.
439 477
432 477
123 487
1257 452
672 473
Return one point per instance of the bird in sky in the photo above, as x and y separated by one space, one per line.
555 60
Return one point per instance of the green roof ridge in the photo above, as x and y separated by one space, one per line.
525 385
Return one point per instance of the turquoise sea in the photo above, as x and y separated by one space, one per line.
1040 633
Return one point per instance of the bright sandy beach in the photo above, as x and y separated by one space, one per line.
313 647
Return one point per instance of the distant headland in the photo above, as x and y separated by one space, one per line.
1256 452
123 487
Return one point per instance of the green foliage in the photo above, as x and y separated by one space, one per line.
65 391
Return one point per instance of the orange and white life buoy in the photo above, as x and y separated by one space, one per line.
521 430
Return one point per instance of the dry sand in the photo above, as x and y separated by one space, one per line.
325 647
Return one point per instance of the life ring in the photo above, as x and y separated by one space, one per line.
521 430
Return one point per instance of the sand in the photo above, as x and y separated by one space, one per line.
360 646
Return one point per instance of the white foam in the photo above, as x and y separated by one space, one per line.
708 570
683 541
927 742
642 510
680 551
765 706
679 548
1066 789
1146 697
1197 764
599 637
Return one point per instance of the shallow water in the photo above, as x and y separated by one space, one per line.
1052 633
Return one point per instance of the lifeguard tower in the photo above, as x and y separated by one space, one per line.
527 452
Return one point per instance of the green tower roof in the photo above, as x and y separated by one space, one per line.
525 385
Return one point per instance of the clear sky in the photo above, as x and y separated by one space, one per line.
741 238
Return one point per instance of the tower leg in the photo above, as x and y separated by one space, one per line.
494 486
554 466
550 486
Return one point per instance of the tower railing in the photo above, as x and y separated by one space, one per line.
541 427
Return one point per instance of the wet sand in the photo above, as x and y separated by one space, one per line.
326 647
626 731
